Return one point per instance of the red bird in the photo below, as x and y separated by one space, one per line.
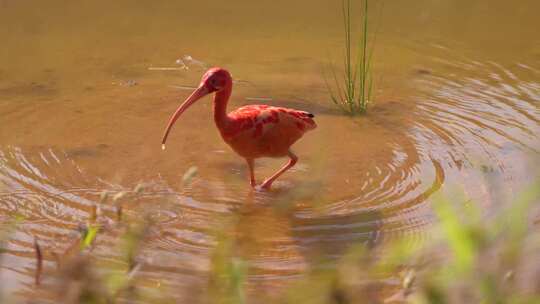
252 131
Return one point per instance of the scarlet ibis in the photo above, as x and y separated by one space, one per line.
252 131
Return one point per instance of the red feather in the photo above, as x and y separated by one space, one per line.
261 130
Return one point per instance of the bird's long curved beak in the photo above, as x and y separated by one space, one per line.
199 93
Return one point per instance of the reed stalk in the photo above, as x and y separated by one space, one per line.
353 92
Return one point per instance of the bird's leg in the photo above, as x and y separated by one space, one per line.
250 163
268 183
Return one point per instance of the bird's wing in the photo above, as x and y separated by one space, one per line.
261 119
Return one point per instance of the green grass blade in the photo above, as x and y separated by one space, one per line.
353 91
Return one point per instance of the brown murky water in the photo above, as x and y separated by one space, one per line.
84 100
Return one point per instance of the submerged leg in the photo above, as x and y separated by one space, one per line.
268 183
250 163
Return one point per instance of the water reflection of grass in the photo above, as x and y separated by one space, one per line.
353 93
468 259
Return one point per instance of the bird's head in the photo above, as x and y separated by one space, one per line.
214 80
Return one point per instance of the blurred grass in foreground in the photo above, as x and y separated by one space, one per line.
468 258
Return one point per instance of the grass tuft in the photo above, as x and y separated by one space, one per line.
352 93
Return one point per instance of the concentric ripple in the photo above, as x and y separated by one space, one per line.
366 180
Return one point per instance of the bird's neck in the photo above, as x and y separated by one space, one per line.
221 98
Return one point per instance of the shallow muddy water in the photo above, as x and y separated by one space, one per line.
86 90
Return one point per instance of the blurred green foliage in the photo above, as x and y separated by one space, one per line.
469 257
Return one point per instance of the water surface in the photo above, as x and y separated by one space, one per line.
86 89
